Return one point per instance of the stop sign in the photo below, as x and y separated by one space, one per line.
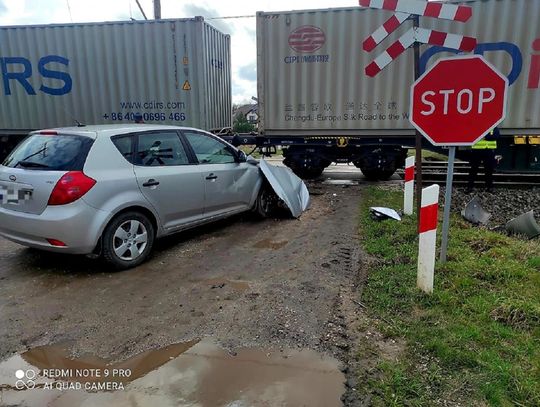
458 101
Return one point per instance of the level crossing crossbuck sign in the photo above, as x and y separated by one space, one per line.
403 10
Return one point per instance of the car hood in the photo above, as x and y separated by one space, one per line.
287 186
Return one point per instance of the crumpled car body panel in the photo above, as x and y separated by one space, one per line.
381 212
474 213
524 224
287 186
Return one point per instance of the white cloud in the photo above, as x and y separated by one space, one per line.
57 11
242 30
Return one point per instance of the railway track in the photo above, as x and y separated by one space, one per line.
434 172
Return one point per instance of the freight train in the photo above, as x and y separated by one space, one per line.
314 97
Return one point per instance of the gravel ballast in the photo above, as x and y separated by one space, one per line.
503 203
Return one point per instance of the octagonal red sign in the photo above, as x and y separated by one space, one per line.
458 100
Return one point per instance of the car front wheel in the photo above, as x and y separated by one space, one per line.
267 201
128 240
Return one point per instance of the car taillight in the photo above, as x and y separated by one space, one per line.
56 242
70 187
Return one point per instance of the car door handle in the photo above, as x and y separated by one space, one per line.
151 183
212 176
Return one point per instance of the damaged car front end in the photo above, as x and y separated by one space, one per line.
288 187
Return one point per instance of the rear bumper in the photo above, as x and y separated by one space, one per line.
77 225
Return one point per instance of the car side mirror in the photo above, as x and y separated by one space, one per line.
241 156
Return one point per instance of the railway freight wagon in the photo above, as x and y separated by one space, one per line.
316 100
169 71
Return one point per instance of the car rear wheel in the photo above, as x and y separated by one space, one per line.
128 240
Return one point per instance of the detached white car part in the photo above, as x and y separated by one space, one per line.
287 186
381 213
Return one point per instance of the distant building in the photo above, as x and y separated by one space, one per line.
249 111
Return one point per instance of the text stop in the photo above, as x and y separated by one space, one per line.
463 101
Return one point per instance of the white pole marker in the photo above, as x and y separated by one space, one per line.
408 195
427 238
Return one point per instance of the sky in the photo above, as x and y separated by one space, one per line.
242 30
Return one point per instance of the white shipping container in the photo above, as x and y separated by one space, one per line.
311 78
170 71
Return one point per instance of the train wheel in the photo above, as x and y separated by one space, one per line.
378 174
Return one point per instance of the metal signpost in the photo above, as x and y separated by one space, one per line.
456 103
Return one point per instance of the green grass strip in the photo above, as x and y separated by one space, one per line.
476 339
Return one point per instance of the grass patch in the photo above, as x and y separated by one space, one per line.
428 155
476 339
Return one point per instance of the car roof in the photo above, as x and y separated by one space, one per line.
107 130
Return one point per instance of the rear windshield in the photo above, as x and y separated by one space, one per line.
50 152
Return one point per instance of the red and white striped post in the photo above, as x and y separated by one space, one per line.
408 194
427 238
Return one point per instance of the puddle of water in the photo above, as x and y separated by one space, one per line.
270 244
256 378
191 374
57 357
221 282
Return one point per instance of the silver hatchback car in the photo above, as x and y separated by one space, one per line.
113 189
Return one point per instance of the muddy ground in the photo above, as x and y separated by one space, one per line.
243 282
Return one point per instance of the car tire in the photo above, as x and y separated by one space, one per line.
267 202
128 240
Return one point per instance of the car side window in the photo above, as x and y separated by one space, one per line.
209 150
124 145
160 149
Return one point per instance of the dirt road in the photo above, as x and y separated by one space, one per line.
270 284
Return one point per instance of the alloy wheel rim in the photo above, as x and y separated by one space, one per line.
130 240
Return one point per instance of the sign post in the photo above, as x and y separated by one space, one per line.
456 103
447 202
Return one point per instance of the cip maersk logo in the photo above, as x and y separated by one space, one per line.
307 38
